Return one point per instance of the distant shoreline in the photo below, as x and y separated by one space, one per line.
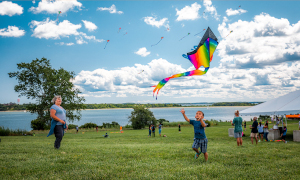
148 108
172 107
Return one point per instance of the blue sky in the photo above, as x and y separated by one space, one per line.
258 61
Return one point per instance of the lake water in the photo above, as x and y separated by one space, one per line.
21 120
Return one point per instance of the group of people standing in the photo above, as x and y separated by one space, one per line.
262 130
152 129
258 130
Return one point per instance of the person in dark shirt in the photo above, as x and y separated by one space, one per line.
254 130
200 140
180 129
106 135
153 130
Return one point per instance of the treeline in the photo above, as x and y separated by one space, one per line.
10 107
13 106
234 104
105 106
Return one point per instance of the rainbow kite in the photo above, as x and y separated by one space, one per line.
201 56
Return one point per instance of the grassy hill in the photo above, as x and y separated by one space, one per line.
134 155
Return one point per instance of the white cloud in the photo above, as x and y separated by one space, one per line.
209 8
52 6
10 9
61 43
152 21
79 40
33 2
12 31
121 95
240 84
91 37
48 29
67 44
182 25
142 52
188 12
264 41
89 25
127 79
70 44
231 12
111 9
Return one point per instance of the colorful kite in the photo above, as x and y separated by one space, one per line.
141 72
229 33
158 42
124 34
167 29
119 30
238 7
184 36
199 32
201 56
106 43
59 12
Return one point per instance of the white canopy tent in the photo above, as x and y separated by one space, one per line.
283 105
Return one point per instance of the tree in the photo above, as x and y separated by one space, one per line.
40 82
141 117
162 120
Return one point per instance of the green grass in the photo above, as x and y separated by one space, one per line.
133 155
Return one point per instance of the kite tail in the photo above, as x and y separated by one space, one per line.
105 45
162 83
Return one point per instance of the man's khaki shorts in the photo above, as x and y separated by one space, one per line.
253 135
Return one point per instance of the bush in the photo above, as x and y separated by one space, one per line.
4 132
39 124
175 124
72 126
89 125
213 122
208 123
8 132
128 126
110 125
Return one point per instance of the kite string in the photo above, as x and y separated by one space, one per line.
105 45
164 81
156 43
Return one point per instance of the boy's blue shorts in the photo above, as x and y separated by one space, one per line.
159 131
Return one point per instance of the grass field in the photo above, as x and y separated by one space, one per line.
133 155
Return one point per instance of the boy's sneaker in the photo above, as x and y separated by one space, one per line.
258 140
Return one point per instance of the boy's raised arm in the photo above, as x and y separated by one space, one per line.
185 117
202 123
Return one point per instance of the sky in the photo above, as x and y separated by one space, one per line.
258 61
